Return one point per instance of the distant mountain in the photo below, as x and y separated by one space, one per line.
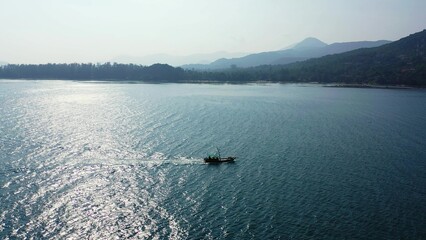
309 43
402 62
3 63
306 49
203 58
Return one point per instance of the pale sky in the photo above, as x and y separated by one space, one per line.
41 31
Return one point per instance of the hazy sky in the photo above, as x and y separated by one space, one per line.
40 31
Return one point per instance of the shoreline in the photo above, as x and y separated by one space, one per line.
319 84
374 86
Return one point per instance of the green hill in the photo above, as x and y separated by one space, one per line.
402 62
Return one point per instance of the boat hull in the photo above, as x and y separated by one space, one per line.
219 160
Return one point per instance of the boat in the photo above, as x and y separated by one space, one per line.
217 159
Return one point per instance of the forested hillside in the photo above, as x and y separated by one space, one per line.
398 63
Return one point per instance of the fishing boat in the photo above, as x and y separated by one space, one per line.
216 158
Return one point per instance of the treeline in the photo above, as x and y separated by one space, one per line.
267 73
327 70
357 69
89 71
153 73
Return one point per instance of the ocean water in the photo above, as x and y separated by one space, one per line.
92 160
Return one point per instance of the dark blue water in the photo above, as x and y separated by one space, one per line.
106 161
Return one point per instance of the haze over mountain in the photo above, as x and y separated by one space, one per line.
306 49
202 58
83 31
3 63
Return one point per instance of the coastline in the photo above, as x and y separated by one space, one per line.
360 85
261 82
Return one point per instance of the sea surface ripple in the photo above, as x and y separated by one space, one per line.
93 160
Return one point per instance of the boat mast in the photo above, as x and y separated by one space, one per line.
218 152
